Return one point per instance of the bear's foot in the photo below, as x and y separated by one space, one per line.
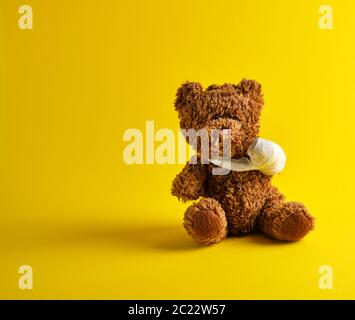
288 221
206 222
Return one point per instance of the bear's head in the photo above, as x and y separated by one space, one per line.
235 107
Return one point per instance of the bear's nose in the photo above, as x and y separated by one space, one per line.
224 123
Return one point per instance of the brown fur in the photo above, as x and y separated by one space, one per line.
240 202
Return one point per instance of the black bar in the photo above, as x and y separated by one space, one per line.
170 309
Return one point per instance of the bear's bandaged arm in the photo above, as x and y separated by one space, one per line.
264 156
189 184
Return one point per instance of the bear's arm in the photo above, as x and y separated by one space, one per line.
190 183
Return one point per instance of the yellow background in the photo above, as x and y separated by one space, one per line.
93 227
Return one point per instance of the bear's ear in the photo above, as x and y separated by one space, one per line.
189 92
251 88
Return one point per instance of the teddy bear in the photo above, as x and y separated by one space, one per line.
241 201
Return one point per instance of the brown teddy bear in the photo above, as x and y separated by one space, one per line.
241 201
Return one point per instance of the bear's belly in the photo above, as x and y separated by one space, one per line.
242 196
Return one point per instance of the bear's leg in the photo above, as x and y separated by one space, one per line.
287 221
205 221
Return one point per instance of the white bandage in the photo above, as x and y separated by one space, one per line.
265 156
